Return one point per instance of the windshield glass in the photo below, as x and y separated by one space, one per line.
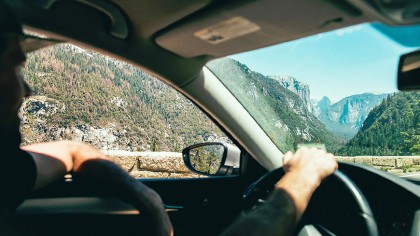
335 90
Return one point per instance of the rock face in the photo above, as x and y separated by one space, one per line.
346 117
297 87
37 112
321 106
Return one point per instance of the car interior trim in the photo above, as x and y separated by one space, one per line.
407 185
119 24
81 205
415 229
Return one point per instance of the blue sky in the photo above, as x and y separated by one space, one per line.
337 64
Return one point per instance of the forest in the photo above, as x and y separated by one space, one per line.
392 128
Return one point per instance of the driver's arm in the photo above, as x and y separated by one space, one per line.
54 159
279 215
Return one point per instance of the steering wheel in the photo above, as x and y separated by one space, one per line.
257 192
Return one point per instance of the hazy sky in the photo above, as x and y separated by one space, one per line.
336 64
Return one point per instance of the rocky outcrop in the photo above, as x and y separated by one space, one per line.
297 87
37 113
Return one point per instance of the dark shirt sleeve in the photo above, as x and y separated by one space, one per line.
17 177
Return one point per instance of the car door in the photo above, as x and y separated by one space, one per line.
202 206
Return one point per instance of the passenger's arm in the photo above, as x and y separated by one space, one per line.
54 159
280 214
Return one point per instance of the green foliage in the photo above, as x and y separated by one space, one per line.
405 168
384 168
391 128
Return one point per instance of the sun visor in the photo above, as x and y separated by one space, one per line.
253 25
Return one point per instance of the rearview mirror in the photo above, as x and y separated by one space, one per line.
409 71
394 12
213 158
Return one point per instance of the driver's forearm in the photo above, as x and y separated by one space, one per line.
280 214
59 150
300 187
277 216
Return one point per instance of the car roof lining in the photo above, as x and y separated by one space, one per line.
161 39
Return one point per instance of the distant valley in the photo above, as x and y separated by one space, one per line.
345 117
374 124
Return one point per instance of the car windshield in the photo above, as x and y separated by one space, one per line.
335 90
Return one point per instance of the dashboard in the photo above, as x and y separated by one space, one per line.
395 201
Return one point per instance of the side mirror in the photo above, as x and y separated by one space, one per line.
409 71
212 159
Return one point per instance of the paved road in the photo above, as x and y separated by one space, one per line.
412 175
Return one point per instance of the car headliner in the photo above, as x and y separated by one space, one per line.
160 35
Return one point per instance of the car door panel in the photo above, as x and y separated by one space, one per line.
203 206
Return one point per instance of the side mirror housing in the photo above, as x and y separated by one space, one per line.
213 159
409 71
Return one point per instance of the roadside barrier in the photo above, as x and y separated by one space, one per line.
171 165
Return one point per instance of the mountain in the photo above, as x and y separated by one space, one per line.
83 96
280 112
345 117
392 128
297 87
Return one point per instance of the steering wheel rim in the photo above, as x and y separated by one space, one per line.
264 185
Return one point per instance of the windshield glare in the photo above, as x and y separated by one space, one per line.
335 90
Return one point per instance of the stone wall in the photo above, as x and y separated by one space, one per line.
152 164
171 165
387 163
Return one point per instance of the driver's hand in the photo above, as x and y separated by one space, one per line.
311 162
305 170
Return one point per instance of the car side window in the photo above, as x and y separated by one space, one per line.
138 121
